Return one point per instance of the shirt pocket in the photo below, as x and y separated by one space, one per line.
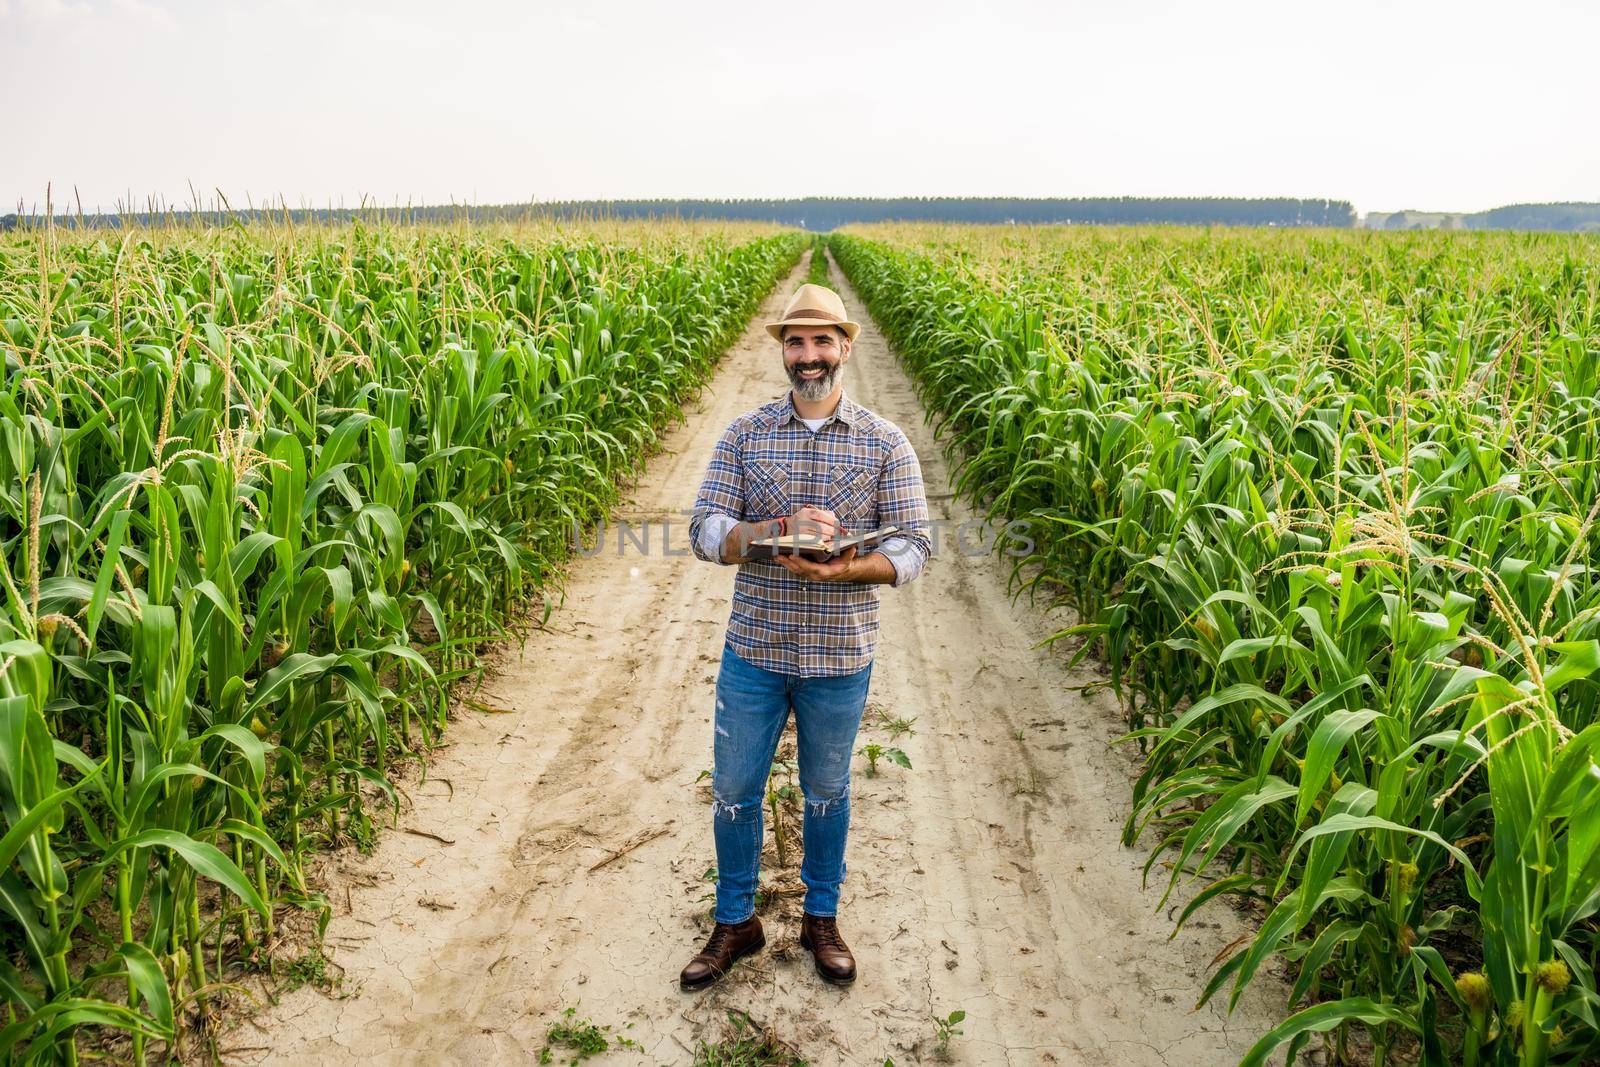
766 490
852 495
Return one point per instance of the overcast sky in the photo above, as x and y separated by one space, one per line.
1446 106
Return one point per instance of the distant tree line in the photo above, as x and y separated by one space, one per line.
827 213
1569 218
812 213
1582 217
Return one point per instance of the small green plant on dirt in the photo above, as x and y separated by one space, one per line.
875 752
310 969
702 776
364 834
580 1037
781 792
946 1028
1018 786
748 1045
898 726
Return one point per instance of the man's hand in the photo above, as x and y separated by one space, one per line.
807 521
874 568
837 569
819 521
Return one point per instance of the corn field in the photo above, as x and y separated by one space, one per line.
1322 502
1325 503
264 493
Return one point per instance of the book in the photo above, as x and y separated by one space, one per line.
817 548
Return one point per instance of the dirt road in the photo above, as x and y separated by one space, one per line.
988 879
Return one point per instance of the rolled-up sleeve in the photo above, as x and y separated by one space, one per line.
719 505
903 503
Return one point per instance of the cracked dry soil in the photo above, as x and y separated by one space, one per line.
990 878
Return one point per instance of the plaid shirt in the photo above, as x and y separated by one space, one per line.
769 464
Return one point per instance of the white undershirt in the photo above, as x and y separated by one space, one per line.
815 423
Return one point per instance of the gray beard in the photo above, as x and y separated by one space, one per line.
816 388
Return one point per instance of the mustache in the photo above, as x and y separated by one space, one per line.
800 368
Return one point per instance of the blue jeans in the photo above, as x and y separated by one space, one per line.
752 707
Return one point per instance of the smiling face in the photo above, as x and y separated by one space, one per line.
813 357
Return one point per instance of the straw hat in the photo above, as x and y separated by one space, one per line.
814 305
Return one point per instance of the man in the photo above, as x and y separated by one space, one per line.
801 633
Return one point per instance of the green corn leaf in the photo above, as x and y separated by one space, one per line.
1321 1018
206 860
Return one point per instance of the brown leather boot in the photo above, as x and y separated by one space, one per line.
727 945
820 934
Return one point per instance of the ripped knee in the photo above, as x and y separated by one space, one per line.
822 802
733 811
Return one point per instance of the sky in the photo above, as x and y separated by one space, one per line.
1455 106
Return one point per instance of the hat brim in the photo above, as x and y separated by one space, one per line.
850 328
